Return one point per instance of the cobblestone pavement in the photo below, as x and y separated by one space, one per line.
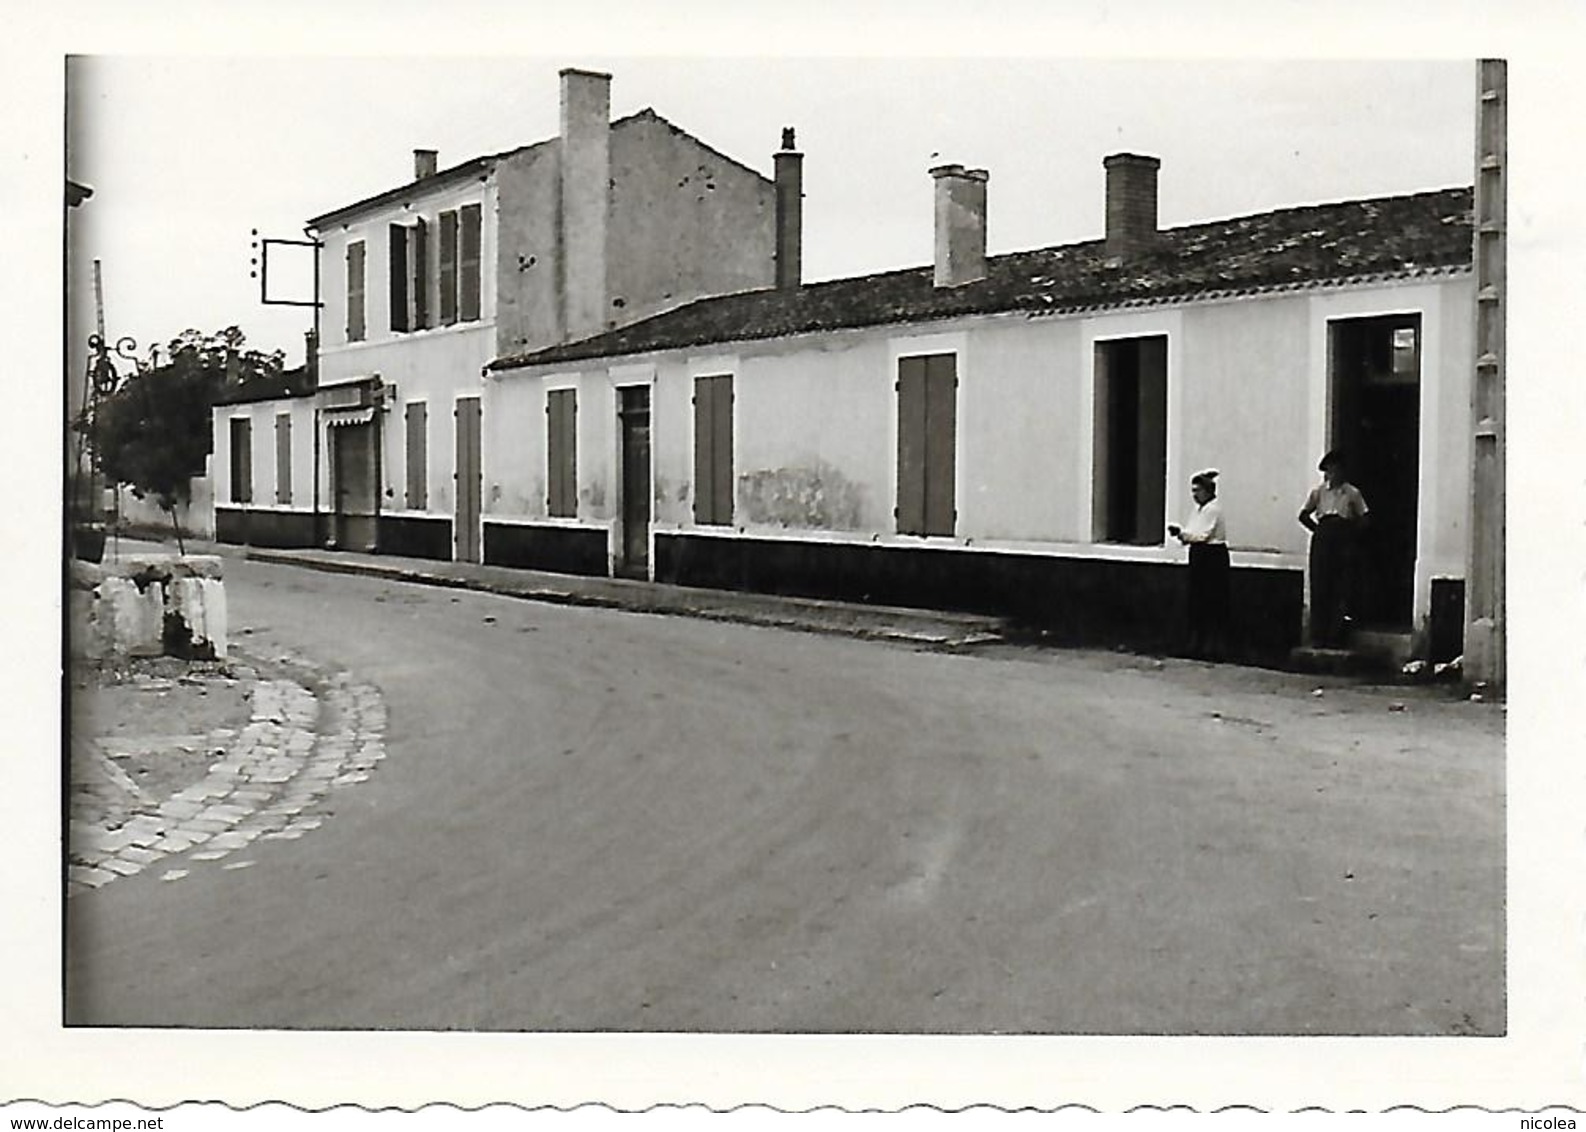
309 733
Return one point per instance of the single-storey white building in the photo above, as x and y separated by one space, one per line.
1013 434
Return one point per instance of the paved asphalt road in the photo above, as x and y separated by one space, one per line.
598 820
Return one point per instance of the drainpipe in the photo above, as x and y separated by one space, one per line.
311 363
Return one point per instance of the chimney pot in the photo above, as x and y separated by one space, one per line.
1131 203
789 213
425 162
960 225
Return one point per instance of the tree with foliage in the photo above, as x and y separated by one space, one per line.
153 433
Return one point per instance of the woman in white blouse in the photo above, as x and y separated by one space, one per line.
1207 538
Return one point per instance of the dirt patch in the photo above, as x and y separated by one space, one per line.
144 696
160 721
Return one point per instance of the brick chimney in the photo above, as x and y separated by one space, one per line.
789 213
586 195
1131 203
960 224
311 358
425 162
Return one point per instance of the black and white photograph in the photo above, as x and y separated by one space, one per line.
753 573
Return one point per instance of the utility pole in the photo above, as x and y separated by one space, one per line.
1485 636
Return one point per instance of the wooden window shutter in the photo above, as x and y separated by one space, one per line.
448 268
562 452
468 265
417 421
1151 443
704 460
704 483
356 327
721 450
941 427
419 275
911 445
241 461
283 457
713 477
399 277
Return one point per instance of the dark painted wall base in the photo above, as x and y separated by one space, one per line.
1074 600
560 550
281 529
415 538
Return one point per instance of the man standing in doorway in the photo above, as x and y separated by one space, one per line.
1335 513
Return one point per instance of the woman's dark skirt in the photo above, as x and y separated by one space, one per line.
1208 598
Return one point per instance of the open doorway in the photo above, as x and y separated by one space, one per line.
1129 475
1375 420
633 542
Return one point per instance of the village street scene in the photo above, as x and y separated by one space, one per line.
438 808
604 610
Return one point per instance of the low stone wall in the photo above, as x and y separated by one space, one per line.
154 606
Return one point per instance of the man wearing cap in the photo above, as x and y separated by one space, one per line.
1335 513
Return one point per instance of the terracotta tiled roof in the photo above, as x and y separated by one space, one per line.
1357 240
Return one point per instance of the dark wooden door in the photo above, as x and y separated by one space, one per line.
355 474
466 535
633 559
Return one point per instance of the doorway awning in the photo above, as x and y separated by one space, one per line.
336 417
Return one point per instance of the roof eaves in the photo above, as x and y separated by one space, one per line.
578 352
474 167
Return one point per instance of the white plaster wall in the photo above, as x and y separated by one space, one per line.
514 440
811 420
1242 403
672 435
340 359
261 415
1446 543
1018 432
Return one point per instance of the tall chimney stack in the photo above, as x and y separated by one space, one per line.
1131 203
425 162
789 213
960 224
586 193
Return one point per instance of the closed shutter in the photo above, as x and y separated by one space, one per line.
911 385
1151 458
721 449
418 479
418 275
468 267
283 458
1101 445
355 291
399 277
562 452
448 268
241 461
704 482
941 429
713 474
